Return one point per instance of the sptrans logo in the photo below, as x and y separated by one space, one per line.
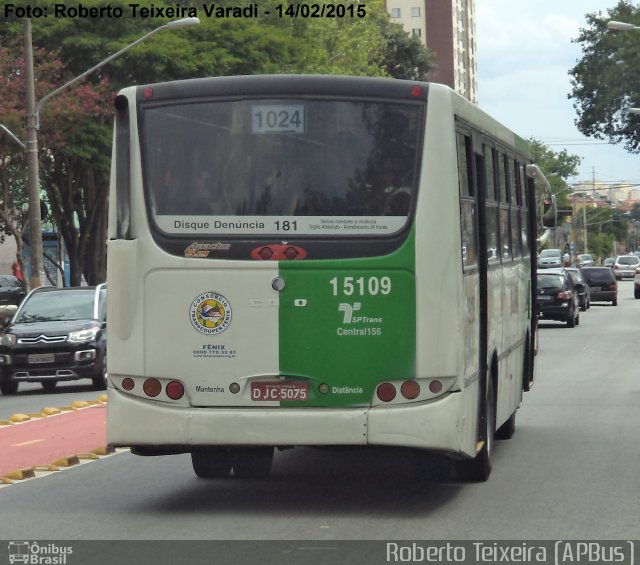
210 313
34 553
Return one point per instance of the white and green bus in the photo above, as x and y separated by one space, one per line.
316 261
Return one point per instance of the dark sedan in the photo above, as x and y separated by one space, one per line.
57 334
603 284
581 286
557 299
11 290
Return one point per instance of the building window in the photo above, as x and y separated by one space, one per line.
415 12
416 32
395 13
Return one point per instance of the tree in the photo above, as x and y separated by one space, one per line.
606 81
558 167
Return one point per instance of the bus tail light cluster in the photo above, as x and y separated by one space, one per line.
152 387
418 390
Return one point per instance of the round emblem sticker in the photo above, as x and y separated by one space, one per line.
210 313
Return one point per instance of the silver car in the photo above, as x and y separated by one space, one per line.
625 266
550 259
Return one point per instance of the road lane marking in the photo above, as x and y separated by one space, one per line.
27 443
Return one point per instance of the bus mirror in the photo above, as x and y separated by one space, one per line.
550 211
546 203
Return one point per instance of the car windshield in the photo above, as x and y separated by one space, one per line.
10 282
576 278
58 306
550 253
630 260
550 281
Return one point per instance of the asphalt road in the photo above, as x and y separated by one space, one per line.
569 472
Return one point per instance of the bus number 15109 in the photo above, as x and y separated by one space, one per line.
360 285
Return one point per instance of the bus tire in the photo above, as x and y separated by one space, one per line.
252 462
507 429
478 469
211 463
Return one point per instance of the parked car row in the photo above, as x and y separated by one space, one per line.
563 293
56 334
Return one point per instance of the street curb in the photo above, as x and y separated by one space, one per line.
50 411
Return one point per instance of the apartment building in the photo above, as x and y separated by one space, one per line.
447 28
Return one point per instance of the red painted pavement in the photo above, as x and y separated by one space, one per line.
42 441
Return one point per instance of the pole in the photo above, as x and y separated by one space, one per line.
33 179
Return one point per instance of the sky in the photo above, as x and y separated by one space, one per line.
525 51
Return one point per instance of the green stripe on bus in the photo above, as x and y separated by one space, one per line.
348 325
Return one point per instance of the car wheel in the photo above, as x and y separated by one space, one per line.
614 302
571 321
583 306
7 386
578 319
49 386
100 381
636 292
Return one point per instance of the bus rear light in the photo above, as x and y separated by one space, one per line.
128 383
410 390
435 386
386 392
266 253
147 93
290 252
416 91
175 390
152 387
278 252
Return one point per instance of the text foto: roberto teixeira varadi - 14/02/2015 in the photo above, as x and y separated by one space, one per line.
211 10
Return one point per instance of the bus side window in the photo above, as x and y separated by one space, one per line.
468 221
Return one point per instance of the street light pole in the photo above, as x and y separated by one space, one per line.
32 127
33 173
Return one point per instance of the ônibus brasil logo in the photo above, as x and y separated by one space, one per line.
210 313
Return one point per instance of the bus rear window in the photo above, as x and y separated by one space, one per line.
261 167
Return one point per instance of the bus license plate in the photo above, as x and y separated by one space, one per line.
41 358
280 391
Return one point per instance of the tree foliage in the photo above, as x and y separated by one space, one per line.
75 135
606 80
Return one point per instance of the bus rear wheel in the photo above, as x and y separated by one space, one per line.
252 462
211 463
478 469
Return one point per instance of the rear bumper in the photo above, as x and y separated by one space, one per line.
560 312
436 425
603 296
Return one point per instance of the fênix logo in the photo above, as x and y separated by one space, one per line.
34 553
210 313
